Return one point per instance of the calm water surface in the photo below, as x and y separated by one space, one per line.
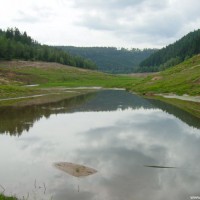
114 132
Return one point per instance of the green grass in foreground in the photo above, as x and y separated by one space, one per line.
15 91
181 79
2 197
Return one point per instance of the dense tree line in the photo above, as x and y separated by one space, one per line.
111 59
18 45
174 53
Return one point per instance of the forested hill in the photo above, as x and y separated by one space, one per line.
18 45
173 54
111 59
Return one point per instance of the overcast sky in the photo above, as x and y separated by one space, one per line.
120 23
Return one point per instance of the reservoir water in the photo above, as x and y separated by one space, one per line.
141 149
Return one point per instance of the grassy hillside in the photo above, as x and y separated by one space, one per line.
180 79
53 74
2 197
14 75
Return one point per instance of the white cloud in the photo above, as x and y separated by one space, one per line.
34 14
129 23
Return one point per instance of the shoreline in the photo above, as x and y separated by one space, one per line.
190 104
181 97
56 95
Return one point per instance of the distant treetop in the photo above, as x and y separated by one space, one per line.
18 45
173 54
111 59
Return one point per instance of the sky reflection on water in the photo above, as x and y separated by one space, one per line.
117 143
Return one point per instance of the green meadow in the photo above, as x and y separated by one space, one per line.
180 79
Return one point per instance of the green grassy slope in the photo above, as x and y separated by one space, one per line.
180 79
2 197
15 74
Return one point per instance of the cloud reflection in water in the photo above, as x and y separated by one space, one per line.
117 143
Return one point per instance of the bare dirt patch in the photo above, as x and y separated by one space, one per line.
155 78
197 82
36 64
75 169
183 97
3 80
142 74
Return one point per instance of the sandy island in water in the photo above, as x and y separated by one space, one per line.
75 169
